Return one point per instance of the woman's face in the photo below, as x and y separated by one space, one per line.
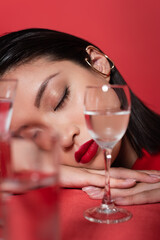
51 94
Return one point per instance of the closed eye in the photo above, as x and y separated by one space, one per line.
63 100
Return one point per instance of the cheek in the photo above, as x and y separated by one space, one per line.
78 102
98 162
73 110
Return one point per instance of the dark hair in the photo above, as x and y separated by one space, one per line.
18 47
25 45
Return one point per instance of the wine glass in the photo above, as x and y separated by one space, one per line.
107 111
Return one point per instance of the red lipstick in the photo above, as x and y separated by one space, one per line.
86 152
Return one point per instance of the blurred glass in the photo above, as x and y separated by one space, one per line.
7 94
29 186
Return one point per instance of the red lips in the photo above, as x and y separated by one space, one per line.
86 152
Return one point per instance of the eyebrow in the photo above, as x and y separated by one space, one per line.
42 89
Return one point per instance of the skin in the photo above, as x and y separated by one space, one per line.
72 127
127 186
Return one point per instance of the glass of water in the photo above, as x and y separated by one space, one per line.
107 111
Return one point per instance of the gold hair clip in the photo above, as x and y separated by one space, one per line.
94 69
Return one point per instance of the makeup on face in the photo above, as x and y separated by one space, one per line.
52 93
86 152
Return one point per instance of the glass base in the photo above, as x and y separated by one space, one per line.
107 214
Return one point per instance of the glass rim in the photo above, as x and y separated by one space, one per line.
108 85
124 88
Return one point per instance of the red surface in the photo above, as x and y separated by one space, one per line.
128 31
144 224
27 212
32 216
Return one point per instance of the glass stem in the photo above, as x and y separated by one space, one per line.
107 194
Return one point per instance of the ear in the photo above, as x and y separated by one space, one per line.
99 61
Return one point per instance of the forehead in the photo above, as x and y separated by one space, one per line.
41 67
29 66
31 74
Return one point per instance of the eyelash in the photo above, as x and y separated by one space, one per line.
63 99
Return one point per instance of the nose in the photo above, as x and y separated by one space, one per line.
68 136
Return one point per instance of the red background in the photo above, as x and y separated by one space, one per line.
126 30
